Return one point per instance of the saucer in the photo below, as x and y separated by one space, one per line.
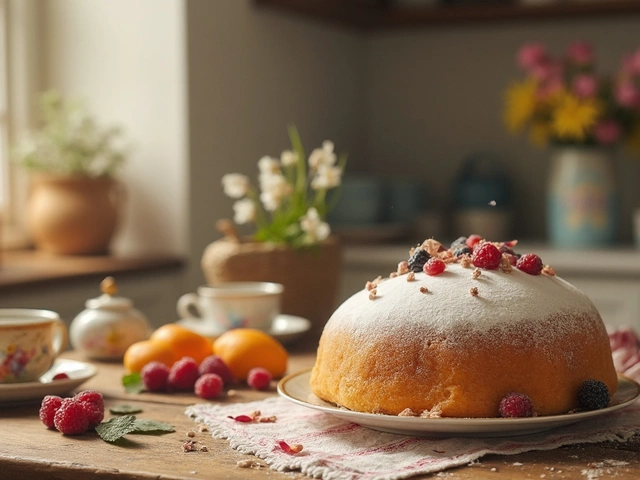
18 393
284 328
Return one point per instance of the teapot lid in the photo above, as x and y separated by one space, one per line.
108 300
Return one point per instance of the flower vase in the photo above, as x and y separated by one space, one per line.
582 198
311 276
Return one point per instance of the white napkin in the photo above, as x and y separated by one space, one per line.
335 449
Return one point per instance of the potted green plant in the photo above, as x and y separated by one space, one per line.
75 200
291 244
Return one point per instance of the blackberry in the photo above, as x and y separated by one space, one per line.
459 242
461 250
418 259
593 395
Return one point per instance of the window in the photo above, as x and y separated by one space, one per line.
18 82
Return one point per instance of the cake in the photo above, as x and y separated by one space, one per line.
483 324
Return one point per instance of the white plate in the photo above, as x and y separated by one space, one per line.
79 372
285 328
295 387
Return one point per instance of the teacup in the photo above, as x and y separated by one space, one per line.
231 305
30 340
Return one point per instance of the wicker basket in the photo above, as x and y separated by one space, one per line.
311 277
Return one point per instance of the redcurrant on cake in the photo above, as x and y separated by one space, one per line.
473 330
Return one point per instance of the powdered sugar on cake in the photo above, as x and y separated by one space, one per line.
503 300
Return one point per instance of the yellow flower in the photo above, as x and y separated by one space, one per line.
520 104
540 133
574 117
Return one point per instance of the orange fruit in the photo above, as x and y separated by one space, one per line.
145 351
184 342
245 348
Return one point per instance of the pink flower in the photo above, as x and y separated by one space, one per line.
623 337
585 85
580 53
631 64
607 132
551 86
628 95
531 55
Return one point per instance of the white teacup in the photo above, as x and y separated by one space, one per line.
30 340
230 305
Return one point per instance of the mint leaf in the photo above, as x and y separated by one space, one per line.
116 427
124 409
132 383
146 426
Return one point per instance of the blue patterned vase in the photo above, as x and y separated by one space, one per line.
582 199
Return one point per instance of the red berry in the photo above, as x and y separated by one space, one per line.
516 405
90 396
472 240
434 266
215 364
486 256
259 378
95 414
48 408
530 263
209 386
60 376
71 418
183 374
155 376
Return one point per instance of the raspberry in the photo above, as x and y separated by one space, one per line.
215 364
155 376
418 259
60 376
71 418
434 266
48 408
95 414
209 386
530 263
90 396
593 395
472 240
259 378
183 374
486 256
516 405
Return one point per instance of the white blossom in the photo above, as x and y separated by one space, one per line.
288 158
313 226
326 177
235 185
268 165
274 187
244 211
322 156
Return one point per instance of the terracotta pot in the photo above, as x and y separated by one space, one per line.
311 277
73 215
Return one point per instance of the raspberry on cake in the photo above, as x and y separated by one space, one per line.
457 343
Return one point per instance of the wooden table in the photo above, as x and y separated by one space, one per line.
28 450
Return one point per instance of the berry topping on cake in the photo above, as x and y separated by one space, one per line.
516 405
473 240
434 266
461 250
486 256
418 259
530 263
459 242
593 395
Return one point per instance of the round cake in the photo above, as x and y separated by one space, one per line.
456 341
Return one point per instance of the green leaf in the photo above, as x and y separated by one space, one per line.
132 383
124 409
148 426
116 427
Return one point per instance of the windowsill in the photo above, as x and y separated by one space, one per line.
30 267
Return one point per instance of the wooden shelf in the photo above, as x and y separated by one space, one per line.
385 15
